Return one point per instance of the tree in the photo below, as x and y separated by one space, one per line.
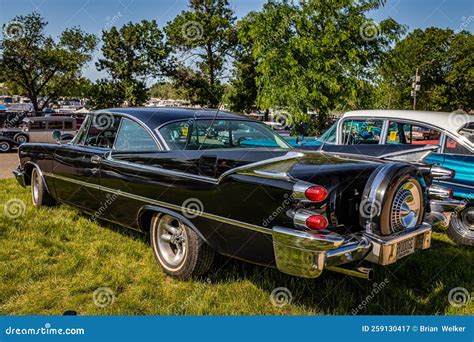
205 36
315 54
132 54
168 90
38 65
445 61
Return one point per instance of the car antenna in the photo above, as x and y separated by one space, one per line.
212 123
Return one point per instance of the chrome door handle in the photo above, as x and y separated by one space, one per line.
96 159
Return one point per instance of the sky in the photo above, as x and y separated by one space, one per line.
93 16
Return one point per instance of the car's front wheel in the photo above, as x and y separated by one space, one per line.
39 193
461 227
21 138
178 249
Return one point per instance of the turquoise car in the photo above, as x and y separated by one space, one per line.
450 134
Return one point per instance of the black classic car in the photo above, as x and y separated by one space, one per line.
201 181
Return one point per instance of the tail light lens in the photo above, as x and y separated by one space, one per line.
316 193
316 222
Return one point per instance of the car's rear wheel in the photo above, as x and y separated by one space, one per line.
5 146
39 193
461 227
178 249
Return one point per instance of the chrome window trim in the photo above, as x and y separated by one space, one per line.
147 200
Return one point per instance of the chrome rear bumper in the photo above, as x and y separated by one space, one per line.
306 253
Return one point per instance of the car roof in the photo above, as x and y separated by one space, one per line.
157 116
451 122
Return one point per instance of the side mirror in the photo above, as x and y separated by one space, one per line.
57 136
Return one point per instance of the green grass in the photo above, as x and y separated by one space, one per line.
52 260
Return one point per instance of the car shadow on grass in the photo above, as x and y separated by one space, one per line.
418 285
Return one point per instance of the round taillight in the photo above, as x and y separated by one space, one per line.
316 222
316 193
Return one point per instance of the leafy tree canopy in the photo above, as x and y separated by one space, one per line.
315 54
39 66
204 37
445 60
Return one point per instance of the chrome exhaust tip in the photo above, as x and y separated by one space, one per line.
359 272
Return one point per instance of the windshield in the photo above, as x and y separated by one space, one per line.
330 135
218 134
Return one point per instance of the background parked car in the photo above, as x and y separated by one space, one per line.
39 129
451 135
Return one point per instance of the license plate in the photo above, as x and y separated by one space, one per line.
405 247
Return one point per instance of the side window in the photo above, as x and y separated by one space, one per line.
176 134
452 146
102 130
37 124
330 135
218 134
408 134
67 124
133 137
55 125
361 131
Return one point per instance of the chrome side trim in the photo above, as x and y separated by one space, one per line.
457 184
166 205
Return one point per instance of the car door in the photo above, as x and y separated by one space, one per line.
460 159
77 164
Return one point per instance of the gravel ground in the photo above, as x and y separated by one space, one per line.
8 162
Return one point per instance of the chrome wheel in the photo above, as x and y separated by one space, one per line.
407 206
21 139
171 241
35 186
